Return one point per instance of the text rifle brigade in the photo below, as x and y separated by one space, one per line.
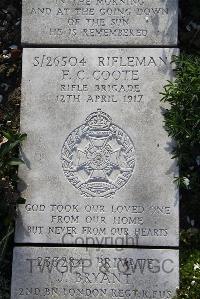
104 89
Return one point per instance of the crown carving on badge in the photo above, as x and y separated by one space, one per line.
98 120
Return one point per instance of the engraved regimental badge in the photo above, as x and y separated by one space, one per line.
98 157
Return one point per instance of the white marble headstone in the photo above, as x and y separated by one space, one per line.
94 273
100 22
98 167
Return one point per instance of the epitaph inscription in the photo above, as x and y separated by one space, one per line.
98 22
98 168
94 273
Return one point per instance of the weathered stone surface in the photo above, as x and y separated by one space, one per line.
100 22
94 273
98 164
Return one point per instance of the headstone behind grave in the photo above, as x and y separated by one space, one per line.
100 22
88 273
98 164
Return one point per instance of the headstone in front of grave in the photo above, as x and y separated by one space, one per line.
98 164
100 22
87 273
